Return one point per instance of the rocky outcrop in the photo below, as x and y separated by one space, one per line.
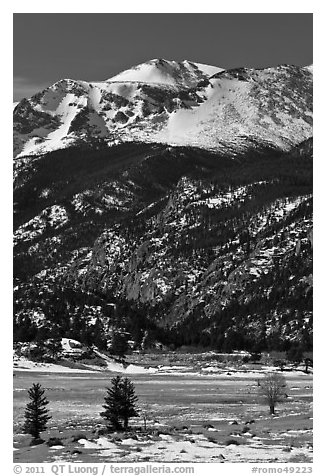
198 247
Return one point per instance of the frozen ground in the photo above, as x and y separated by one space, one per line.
189 418
24 365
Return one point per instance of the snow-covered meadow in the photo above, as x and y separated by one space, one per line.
191 417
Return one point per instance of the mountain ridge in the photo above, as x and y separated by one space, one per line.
165 71
173 213
223 111
188 245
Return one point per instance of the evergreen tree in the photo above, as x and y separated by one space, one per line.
98 334
295 353
54 348
120 403
128 407
119 344
24 329
36 413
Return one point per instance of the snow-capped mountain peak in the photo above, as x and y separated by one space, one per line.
172 102
162 71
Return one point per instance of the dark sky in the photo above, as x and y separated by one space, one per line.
49 47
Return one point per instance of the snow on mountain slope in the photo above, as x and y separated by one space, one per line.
260 104
170 102
310 68
71 110
163 71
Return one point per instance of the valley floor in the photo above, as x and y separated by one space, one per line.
212 417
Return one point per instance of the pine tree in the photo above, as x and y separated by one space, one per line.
119 344
120 403
36 413
128 407
112 403
54 348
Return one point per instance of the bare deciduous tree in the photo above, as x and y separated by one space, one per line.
272 387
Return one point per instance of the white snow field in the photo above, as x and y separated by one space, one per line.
164 101
217 418
24 365
163 71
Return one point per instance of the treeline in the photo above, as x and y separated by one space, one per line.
90 318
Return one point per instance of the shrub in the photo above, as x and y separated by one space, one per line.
208 426
102 431
78 436
211 439
245 429
54 442
287 449
36 441
36 353
255 357
231 442
295 353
